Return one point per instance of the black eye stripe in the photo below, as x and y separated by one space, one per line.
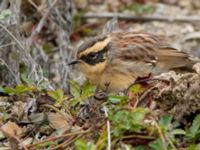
93 58
96 57
93 54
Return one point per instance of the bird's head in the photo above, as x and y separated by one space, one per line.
92 55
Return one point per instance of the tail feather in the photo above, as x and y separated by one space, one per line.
171 59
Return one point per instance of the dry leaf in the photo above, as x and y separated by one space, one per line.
58 122
11 130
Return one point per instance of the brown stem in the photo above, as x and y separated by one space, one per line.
57 137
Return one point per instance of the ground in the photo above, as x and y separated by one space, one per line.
44 104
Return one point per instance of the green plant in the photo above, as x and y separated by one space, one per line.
25 79
128 121
58 95
82 145
193 147
156 145
2 89
80 93
19 89
140 8
136 89
4 14
193 133
118 99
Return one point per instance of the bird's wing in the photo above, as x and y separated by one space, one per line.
145 53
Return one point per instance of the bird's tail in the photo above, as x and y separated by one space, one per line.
172 59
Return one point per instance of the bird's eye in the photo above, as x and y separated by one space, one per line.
94 56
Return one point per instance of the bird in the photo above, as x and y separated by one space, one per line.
114 61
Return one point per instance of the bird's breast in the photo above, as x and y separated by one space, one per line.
115 82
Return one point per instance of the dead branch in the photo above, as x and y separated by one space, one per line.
43 20
142 18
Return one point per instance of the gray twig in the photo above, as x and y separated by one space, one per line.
122 16
43 20
10 70
8 44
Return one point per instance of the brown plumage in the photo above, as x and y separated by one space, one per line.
114 61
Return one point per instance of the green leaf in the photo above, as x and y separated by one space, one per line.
4 15
25 79
47 48
156 145
140 8
140 148
21 89
193 132
75 88
172 134
136 89
82 145
165 121
58 95
6 12
2 89
191 147
178 132
128 121
87 89
74 102
9 90
117 98
87 31
140 114
80 93
43 85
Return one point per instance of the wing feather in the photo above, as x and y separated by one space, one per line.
143 53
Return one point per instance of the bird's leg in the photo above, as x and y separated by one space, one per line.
100 94
91 111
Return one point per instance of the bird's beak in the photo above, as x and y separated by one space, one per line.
73 62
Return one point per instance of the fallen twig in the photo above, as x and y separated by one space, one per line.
161 135
108 128
146 137
131 17
58 137
66 143
65 115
